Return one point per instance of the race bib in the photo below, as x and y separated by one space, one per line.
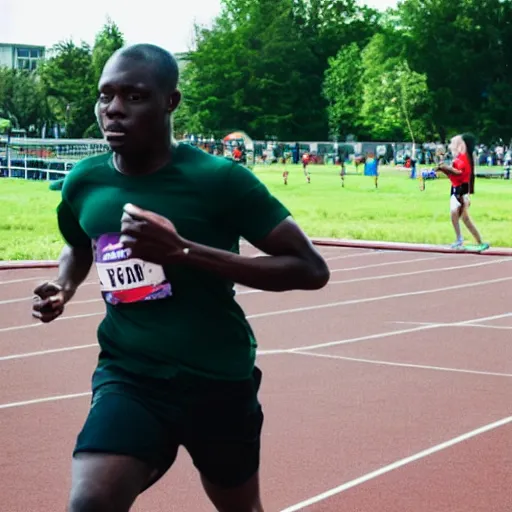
124 279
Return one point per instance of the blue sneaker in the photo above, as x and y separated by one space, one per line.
459 244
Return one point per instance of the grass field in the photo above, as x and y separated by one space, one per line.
398 211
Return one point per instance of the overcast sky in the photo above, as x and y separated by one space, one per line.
46 22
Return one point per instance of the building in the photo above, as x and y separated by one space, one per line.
20 56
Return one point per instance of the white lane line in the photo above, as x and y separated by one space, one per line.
353 255
90 301
398 464
401 274
239 292
498 327
386 264
47 352
247 291
422 327
380 297
402 365
28 299
50 351
475 322
37 278
23 280
308 308
419 272
39 324
481 326
43 400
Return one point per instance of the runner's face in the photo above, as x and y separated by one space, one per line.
133 110
457 146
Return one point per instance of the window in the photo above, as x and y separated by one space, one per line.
27 58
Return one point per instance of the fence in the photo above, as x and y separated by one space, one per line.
53 158
44 158
50 159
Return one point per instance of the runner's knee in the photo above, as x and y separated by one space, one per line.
242 498
106 483
90 499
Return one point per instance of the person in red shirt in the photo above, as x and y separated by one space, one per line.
237 154
461 174
306 160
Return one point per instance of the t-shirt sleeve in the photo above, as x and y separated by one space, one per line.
252 209
458 164
69 226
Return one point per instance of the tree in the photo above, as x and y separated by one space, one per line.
107 41
462 48
217 72
330 25
396 99
67 77
186 119
22 100
343 89
283 87
70 77
260 68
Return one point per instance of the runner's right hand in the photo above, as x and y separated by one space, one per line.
49 301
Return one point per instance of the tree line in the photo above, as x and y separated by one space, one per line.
309 70
62 91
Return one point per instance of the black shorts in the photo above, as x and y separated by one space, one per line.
218 422
460 190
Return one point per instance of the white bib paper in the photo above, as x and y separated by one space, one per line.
124 279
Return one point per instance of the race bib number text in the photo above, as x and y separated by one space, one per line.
124 279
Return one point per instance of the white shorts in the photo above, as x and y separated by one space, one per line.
455 204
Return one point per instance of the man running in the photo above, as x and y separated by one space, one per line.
162 222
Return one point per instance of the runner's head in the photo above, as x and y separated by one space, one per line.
457 146
138 93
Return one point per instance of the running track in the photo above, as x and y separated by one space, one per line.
388 391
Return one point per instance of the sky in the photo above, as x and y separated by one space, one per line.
46 22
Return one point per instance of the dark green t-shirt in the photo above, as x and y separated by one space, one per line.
176 320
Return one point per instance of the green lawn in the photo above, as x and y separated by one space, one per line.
397 211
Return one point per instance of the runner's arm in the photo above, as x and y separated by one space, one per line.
74 266
448 169
292 261
248 210
76 257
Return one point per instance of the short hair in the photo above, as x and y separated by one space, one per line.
163 63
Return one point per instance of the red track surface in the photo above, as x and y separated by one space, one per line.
374 390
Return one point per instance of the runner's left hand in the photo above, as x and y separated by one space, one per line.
150 236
